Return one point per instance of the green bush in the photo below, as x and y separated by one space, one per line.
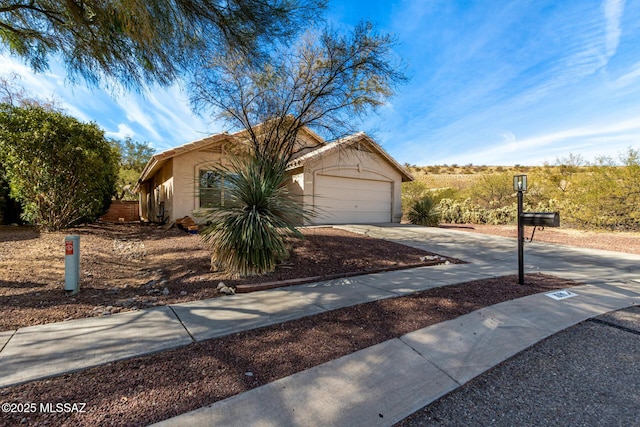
451 211
424 212
62 171
601 195
411 193
247 235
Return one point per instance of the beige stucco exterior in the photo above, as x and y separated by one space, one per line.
349 180
353 162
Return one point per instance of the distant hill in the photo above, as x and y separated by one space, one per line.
602 195
470 169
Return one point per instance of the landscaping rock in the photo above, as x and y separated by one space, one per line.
225 290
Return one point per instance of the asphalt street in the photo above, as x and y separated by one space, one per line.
587 375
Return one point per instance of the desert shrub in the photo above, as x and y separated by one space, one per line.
466 212
424 212
604 194
608 195
432 169
438 194
62 171
502 215
474 215
248 235
411 193
492 190
451 211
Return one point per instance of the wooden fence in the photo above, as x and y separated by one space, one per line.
122 211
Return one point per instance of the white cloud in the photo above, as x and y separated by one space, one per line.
588 141
628 78
134 110
509 138
175 117
123 132
630 126
613 15
42 85
588 42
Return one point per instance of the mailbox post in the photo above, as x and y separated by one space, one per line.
520 185
532 219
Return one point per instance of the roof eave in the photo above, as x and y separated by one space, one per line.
405 175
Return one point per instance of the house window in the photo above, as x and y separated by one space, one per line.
212 190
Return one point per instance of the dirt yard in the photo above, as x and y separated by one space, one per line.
608 241
131 267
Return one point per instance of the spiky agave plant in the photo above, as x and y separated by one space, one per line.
248 235
424 212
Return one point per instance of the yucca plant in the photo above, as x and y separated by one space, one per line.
247 233
425 212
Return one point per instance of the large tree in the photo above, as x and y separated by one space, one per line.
326 82
61 170
132 42
133 158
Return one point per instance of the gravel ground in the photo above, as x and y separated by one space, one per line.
131 267
586 375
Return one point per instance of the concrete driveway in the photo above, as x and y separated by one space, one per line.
487 252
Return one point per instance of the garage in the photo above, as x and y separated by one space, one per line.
345 200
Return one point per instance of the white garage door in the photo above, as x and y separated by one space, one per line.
340 200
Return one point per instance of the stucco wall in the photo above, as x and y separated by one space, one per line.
157 192
295 186
176 183
186 175
184 196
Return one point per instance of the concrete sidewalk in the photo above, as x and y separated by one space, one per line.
374 386
383 384
48 350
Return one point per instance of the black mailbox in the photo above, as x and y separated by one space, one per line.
541 219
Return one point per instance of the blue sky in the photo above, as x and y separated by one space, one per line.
493 82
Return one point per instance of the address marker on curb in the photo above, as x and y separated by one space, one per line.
561 295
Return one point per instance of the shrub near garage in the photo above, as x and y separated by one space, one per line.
424 212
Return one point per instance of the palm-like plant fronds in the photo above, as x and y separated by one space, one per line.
425 212
248 234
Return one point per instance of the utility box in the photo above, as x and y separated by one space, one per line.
71 264
540 219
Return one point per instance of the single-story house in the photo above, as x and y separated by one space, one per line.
350 180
